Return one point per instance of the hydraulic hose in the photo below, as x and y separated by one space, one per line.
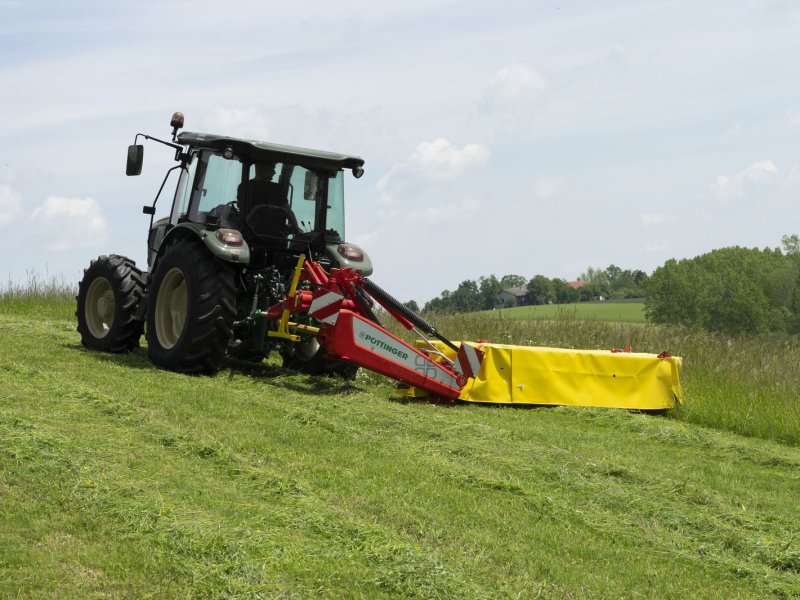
388 300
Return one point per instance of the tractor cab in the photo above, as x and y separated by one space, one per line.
256 203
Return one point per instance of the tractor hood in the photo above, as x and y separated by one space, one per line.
274 152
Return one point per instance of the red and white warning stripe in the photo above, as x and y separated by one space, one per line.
325 307
468 360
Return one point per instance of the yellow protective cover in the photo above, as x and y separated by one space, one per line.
555 376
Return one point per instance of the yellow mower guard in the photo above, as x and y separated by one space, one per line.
554 376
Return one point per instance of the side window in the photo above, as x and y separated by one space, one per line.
184 191
334 219
304 208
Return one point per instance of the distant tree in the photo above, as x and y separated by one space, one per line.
596 276
412 306
598 279
734 290
509 281
639 277
589 292
489 289
615 275
541 290
791 244
439 304
466 298
565 294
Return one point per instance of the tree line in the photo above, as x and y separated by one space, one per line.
733 290
612 282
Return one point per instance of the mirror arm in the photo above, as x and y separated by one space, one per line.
178 148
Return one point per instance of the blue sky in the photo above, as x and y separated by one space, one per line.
499 137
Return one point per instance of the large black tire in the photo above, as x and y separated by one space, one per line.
308 357
107 298
191 309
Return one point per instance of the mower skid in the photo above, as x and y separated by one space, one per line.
553 376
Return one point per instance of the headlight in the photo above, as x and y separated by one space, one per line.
229 237
350 252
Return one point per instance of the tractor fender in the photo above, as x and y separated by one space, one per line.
237 255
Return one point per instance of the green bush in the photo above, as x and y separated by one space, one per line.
732 290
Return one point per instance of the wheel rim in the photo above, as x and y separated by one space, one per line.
100 307
171 307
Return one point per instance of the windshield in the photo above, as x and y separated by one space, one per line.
271 199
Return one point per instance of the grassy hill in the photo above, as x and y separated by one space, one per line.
628 312
121 480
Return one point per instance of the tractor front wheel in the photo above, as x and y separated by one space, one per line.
107 298
191 309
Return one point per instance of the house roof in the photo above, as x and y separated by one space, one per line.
516 291
577 284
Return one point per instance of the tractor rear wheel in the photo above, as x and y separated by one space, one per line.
191 309
107 299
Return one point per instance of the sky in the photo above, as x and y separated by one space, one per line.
499 137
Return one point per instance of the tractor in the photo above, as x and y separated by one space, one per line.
242 211
252 258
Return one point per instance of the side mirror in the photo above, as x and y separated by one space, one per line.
135 158
310 186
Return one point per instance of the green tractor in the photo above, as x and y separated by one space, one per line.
242 213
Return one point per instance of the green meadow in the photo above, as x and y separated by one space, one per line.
628 312
120 480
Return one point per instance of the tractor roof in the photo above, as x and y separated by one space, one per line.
269 151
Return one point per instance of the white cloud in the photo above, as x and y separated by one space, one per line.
658 218
544 188
733 187
777 8
515 82
793 116
629 57
10 205
514 99
431 163
657 246
440 161
65 223
365 240
246 122
733 132
445 213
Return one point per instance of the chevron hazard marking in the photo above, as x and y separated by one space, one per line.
325 307
468 360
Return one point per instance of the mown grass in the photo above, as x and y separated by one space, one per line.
121 480
117 479
603 311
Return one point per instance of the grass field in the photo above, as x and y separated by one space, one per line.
121 480
632 312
